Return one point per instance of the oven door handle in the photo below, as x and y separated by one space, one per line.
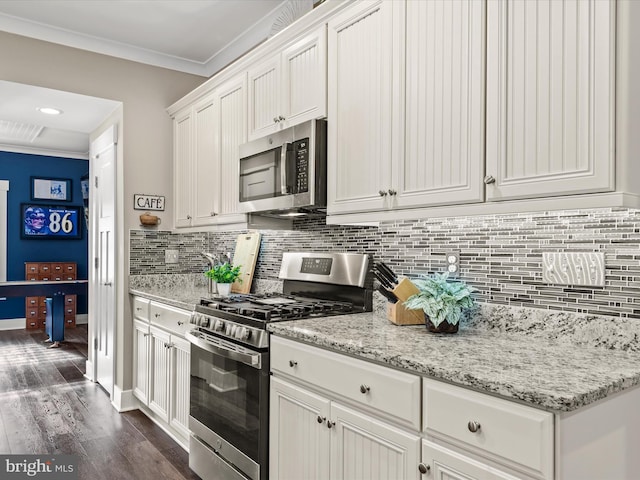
253 360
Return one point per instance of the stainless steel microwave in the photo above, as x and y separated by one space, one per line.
285 174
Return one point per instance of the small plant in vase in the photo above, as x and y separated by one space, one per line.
442 300
224 275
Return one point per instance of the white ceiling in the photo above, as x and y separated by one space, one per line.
193 36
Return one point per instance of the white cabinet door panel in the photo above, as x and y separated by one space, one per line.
183 168
363 447
299 444
232 133
179 385
159 381
264 98
141 361
444 118
550 97
445 464
206 163
359 107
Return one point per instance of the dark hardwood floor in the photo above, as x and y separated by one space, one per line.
48 407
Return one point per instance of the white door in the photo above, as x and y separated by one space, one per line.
103 156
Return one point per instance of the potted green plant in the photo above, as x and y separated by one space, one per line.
224 274
442 300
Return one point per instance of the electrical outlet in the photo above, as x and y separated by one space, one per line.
453 262
575 268
171 256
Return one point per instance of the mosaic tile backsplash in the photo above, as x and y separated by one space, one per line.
500 255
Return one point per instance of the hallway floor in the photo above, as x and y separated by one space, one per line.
47 406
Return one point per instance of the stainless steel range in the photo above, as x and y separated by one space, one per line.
229 410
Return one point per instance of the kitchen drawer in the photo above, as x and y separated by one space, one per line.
520 436
173 319
395 393
141 308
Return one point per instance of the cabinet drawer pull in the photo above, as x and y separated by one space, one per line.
180 322
473 426
489 179
292 363
424 468
281 118
156 315
392 192
382 193
275 119
321 419
364 389
330 424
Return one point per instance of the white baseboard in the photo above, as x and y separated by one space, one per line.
89 369
123 400
82 318
13 324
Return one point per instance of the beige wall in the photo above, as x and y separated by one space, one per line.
145 137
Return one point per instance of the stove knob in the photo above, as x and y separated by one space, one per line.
231 331
219 325
242 333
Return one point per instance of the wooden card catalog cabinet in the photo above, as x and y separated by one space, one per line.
35 308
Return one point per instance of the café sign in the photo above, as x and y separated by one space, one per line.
148 202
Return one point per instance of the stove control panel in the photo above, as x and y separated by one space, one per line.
245 334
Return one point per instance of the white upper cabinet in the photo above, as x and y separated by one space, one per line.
360 99
183 167
231 133
207 135
290 87
444 112
206 162
550 97
386 152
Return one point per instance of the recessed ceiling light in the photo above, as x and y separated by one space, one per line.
50 110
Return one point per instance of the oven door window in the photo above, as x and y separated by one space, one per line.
229 398
261 175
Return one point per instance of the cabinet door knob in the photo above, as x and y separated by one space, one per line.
138 308
423 468
292 363
364 389
275 120
382 193
180 322
392 192
213 214
156 315
321 419
473 426
281 118
330 424
188 217
489 179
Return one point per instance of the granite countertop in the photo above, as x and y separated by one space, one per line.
533 363
552 360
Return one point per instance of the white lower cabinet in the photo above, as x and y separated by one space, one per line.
330 418
161 362
315 438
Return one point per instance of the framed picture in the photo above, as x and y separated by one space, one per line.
51 189
50 221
